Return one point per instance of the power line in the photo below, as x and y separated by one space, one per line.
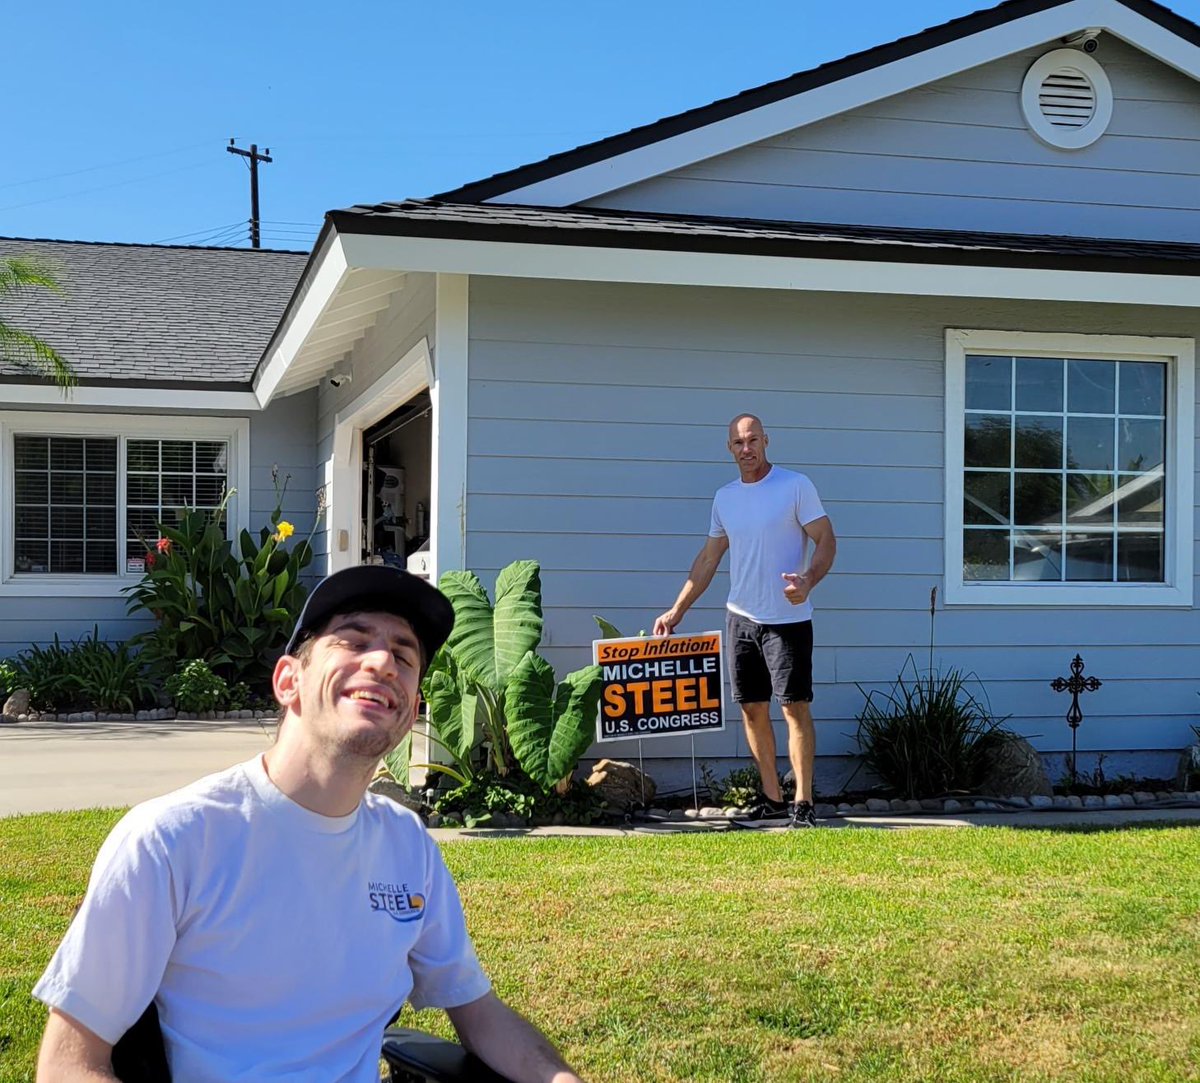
198 232
104 187
95 168
236 233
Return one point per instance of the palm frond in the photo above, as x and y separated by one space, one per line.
24 272
36 355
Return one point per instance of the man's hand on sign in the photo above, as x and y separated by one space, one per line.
664 624
796 587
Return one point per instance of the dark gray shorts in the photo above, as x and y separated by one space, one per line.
766 659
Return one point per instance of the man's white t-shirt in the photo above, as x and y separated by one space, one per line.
764 522
278 943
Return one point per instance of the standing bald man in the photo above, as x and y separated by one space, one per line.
766 519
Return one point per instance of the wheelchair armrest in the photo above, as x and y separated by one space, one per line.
139 1055
416 1057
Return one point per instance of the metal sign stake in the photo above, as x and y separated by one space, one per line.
695 791
642 772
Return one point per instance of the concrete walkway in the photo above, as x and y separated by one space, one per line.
50 766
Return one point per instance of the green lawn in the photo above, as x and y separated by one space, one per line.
986 954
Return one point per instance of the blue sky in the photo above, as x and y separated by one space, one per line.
119 113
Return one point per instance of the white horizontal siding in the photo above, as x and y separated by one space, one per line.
597 429
957 154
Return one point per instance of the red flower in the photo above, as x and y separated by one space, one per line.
149 561
163 545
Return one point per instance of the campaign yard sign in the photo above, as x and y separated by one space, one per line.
659 687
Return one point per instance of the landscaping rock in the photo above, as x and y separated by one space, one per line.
434 820
621 785
823 811
951 805
912 806
1041 801
16 705
1186 775
860 807
386 787
710 812
1012 765
877 804
845 806
898 804
691 814
1141 797
931 804
1093 801
1126 800
1017 801
676 814
1112 800
657 813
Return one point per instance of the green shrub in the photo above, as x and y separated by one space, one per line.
922 737
8 679
195 687
89 674
234 612
740 788
487 795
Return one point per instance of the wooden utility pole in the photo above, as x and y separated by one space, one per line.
255 158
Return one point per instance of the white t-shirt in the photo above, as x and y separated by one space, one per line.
764 522
278 943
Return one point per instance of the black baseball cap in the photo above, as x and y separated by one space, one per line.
378 588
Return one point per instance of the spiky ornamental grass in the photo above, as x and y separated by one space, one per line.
923 736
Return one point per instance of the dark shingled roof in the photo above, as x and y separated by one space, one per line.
154 314
590 153
751 236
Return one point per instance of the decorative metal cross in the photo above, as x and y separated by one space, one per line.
1075 684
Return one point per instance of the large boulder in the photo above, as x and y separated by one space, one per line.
389 788
1187 776
1011 766
16 704
621 785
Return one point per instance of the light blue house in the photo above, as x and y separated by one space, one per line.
955 275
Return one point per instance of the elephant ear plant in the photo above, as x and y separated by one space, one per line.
491 695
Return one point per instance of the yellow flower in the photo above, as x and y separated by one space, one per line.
284 531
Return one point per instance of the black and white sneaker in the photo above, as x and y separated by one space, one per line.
802 815
766 809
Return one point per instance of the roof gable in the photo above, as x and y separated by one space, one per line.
589 172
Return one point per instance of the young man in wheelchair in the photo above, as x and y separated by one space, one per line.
277 913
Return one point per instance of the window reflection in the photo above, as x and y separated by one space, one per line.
1064 470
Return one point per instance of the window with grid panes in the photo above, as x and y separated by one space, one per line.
65 504
68 513
162 477
1064 470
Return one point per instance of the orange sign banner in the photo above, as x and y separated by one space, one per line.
659 687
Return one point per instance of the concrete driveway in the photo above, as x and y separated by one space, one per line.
47 766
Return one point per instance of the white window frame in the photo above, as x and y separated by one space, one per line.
234 430
1179 356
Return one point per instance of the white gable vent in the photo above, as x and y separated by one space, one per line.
1067 99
